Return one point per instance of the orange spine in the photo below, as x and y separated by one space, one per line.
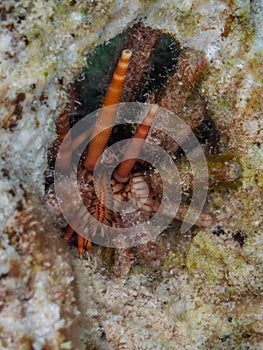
134 148
81 245
106 116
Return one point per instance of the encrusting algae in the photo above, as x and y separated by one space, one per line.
198 290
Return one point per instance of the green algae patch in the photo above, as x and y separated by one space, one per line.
216 261
252 167
206 257
223 268
174 260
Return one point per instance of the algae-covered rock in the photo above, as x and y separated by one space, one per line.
204 289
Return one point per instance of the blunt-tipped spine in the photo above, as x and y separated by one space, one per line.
103 126
134 148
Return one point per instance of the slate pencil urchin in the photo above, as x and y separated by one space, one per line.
159 72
